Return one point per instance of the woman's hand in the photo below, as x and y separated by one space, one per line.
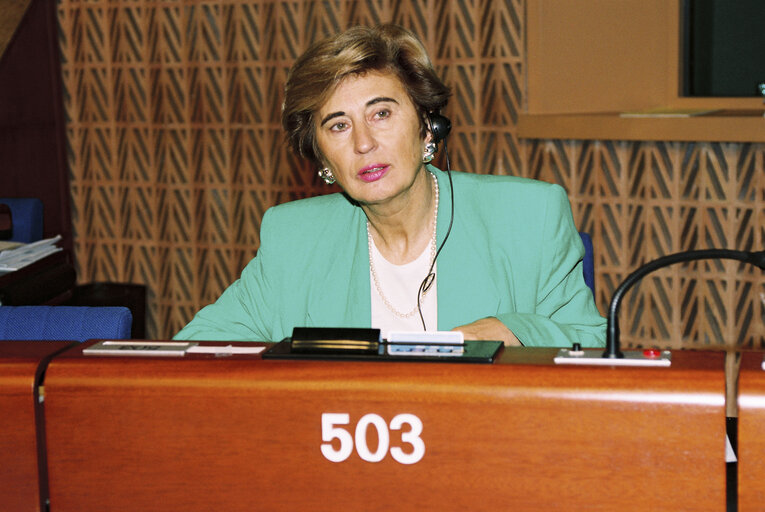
489 329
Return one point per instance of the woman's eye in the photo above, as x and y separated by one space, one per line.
338 127
382 114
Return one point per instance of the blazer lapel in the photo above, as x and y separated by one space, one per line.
343 297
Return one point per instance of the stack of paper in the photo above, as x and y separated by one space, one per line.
14 259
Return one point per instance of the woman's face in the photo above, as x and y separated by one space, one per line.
368 134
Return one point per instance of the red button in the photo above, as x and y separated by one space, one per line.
652 353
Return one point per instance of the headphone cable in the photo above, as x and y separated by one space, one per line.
431 277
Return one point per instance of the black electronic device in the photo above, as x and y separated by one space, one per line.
481 352
363 344
334 340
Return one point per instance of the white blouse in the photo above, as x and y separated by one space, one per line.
400 283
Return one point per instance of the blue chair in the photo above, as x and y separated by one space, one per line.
588 263
27 217
73 323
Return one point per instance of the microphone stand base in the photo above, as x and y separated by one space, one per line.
594 357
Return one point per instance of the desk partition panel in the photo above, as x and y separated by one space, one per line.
751 433
22 462
200 433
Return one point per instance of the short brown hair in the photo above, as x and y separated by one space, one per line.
356 51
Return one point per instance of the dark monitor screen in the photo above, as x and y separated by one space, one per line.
724 47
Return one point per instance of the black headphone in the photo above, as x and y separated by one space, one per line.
440 126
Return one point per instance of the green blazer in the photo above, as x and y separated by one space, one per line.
513 253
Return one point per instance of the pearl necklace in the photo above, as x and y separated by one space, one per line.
385 300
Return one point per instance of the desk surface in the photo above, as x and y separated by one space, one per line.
241 433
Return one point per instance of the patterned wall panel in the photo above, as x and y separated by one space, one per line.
644 200
175 151
175 147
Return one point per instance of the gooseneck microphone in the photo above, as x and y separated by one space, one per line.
612 334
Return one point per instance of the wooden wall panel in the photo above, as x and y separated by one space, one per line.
176 151
644 200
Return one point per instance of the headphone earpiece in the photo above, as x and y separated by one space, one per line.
440 126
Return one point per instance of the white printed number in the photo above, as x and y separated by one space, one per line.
331 428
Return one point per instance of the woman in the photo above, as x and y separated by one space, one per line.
357 106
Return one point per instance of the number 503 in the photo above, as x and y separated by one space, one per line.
331 428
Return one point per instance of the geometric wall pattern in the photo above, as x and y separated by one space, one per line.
644 200
175 151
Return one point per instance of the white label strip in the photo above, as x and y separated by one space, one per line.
228 349
427 338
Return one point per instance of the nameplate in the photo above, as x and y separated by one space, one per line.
139 348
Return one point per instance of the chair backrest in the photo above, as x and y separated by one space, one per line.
75 323
588 263
27 216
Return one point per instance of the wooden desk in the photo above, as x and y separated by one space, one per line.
240 433
21 471
751 432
